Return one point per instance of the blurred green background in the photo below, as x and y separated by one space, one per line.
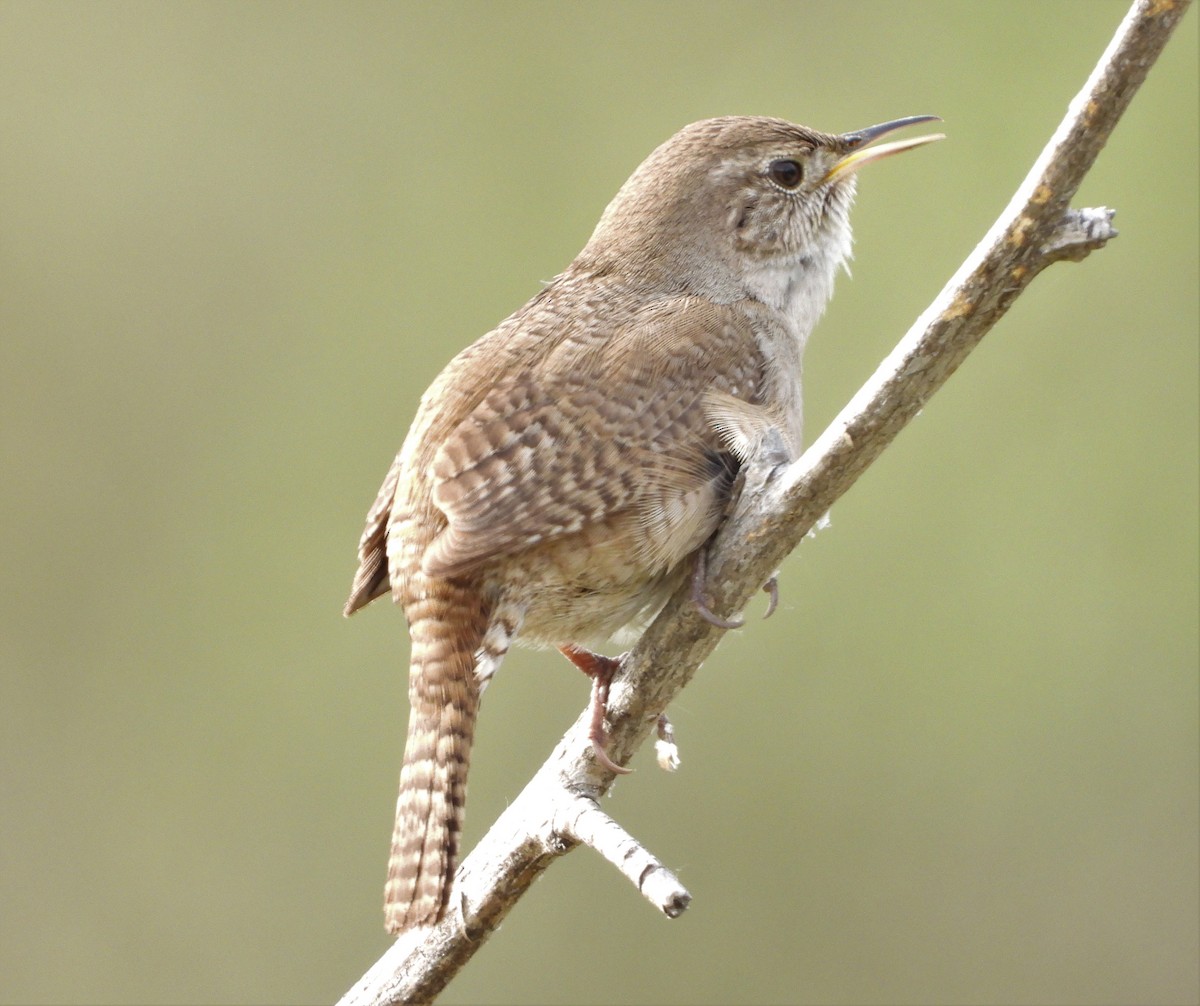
236 243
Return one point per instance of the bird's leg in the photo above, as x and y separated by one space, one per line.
698 583
601 670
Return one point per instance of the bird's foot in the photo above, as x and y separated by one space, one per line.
601 670
699 578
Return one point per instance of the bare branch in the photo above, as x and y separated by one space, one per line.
581 819
778 505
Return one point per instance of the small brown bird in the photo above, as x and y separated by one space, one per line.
563 473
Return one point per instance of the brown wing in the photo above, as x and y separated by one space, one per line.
593 432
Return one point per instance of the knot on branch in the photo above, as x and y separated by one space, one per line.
1079 233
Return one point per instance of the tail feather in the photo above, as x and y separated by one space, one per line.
447 627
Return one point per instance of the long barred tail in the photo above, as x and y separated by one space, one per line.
447 627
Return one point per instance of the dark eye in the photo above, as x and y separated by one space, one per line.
786 173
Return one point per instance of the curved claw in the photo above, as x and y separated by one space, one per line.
596 732
603 760
772 589
714 619
702 608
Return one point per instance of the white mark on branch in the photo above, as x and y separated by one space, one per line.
1079 233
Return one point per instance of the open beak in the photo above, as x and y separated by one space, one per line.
861 154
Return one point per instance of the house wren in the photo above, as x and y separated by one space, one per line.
564 472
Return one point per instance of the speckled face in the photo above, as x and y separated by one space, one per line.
783 205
